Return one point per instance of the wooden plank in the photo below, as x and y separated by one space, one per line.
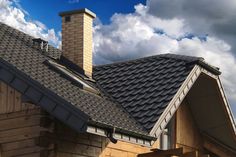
18 105
191 154
79 149
21 114
10 99
3 97
43 153
1 151
218 150
21 131
188 135
18 144
175 152
21 151
18 137
9 124
37 154
205 155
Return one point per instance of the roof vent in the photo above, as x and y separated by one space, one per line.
41 43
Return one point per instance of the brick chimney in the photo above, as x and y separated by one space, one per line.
77 38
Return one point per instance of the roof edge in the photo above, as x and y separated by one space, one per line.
176 101
182 92
123 131
227 106
39 95
193 60
209 67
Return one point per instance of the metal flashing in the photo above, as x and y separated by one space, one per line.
79 11
70 75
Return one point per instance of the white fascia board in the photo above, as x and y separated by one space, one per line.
227 106
175 102
224 98
180 95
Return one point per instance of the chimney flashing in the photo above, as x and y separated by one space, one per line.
85 11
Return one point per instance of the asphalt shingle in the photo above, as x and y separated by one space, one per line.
144 87
16 48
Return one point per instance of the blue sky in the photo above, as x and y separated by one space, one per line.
47 11
129 29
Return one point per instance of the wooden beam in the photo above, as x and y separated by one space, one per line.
190 154
205 155
161 153
217 148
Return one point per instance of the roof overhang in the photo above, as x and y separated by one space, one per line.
41 96
204 92
143 141
60 108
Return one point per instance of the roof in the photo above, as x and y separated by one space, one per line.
22 65
144 87
132 96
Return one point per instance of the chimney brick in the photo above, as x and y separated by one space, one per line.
77 39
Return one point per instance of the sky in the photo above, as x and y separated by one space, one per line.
128 29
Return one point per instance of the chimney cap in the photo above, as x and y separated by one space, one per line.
79 11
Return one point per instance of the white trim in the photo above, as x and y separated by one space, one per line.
180 95
175 102
226 103
120 137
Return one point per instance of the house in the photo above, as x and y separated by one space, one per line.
54 103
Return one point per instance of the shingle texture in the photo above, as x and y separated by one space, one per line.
16 49
144 87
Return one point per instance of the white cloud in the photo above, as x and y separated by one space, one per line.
215 17
15 16
142 34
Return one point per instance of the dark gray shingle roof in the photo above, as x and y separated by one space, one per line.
144 87
16 49
134 93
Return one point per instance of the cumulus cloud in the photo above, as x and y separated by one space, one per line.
203 28
215 17
12 14
142 34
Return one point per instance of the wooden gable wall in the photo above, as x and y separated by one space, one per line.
187 133
21 125
28 131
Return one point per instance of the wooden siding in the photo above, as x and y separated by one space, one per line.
25 130
20 131
21 125
10 100
71 144
187 134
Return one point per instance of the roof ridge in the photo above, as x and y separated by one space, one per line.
187 58
164 55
